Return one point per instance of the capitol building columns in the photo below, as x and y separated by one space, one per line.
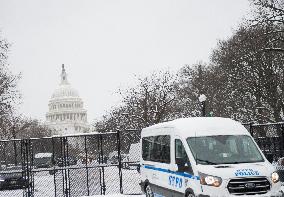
66 113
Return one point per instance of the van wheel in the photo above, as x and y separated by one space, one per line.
148 191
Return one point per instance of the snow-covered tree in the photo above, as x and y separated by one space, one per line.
8 81
253 75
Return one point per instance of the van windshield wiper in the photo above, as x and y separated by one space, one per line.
206 161
237 162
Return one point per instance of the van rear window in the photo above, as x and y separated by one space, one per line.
156 148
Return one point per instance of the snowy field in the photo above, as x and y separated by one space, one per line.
45 184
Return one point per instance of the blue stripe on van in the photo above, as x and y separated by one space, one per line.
172 172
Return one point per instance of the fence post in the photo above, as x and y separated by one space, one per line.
282 139
31 149
4 153
86 154
27 166
66 192
62 160
103 187
53 163
119 161
15 151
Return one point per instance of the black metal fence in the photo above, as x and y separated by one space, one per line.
270 139
78 165
94 164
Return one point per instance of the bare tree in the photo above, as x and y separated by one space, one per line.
8 82
149 102
267 14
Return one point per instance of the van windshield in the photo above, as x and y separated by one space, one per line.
224 149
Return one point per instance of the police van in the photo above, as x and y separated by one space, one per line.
205 156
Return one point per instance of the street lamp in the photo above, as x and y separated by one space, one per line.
202 100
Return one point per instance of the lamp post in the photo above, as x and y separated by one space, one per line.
202 100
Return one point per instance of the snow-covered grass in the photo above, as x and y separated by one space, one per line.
44 183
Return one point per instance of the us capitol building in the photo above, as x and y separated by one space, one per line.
66 113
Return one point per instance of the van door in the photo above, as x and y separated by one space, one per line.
156 153
161 157
179 181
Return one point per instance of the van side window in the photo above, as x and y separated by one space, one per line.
181 158
156 148
147 146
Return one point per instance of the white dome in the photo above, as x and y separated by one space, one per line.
66 113
65 91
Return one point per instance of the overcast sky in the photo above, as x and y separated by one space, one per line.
104 43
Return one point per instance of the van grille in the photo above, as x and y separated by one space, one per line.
248 186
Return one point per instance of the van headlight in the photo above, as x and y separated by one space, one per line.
274 177
210 180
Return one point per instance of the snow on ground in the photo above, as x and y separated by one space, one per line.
117 195
44 183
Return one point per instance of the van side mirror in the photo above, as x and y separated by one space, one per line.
180 162
183 165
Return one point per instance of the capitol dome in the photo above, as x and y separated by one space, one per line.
66 113
64 91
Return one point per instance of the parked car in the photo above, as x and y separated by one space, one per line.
113 159
43 160
12 178
69 161
89 160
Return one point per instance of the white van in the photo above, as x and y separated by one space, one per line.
134 152
206 156
43 160
134 156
